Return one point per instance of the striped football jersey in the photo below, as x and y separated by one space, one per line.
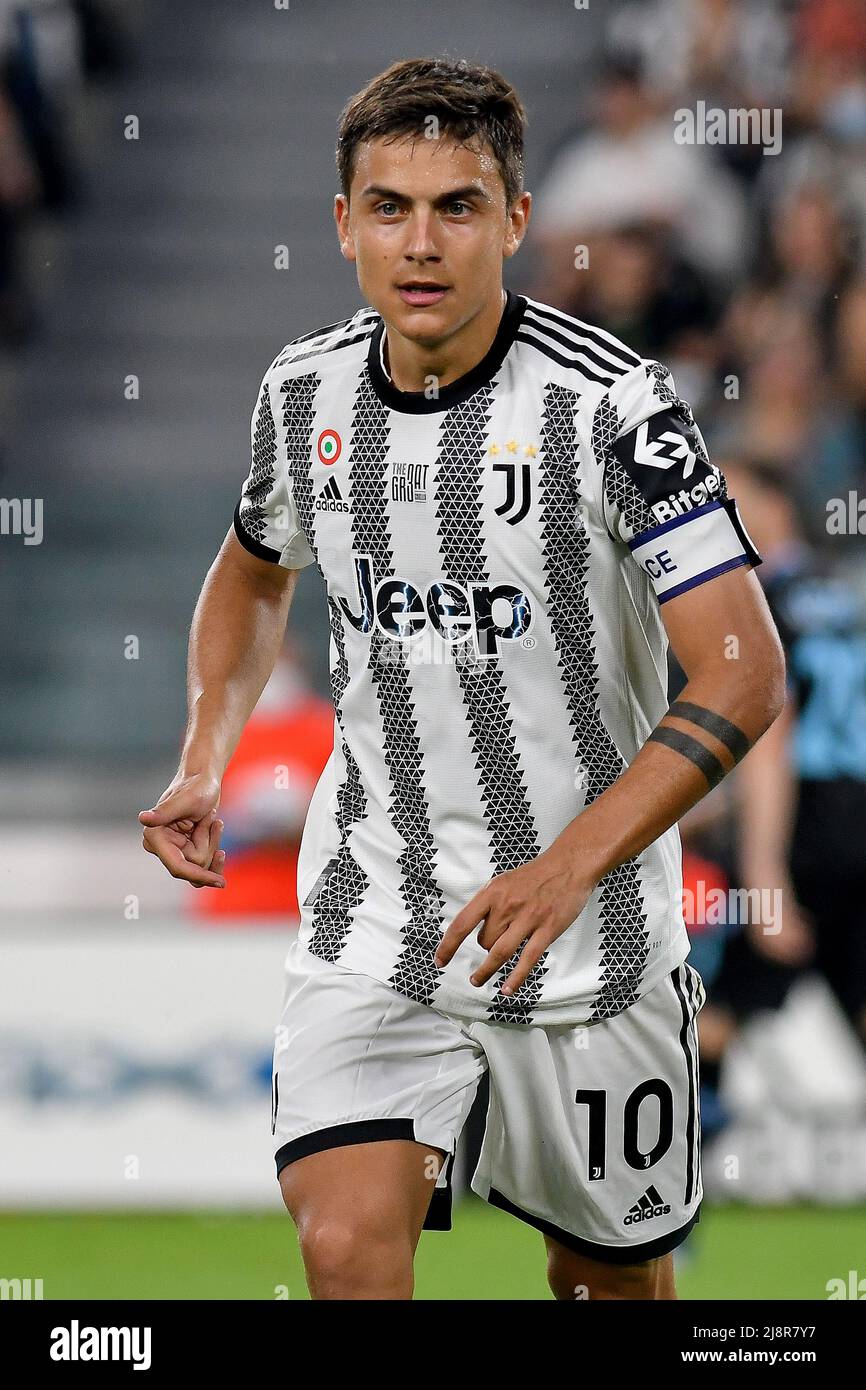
495 554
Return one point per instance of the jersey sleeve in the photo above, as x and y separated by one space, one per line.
660 494
266 521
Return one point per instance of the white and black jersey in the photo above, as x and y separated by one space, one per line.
495 554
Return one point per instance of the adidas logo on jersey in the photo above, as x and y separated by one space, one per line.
646 1207
330 499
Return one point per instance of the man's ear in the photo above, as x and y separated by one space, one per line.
344 231
517 224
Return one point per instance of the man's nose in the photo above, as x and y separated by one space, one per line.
421 242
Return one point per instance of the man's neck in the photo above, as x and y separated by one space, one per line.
410 365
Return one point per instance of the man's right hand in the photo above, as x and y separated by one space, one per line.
183 831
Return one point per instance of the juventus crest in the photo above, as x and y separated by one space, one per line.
518 491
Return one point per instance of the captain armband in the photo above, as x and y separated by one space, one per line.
688 550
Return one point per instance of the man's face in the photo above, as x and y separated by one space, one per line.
428 212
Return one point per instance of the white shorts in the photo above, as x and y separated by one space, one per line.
592 1133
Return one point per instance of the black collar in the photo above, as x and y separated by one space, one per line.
416 402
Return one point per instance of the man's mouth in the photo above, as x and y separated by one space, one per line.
422 292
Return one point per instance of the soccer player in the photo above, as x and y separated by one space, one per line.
512 513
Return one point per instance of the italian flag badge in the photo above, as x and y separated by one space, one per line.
329 446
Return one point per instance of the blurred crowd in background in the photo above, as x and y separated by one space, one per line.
742 266
50 50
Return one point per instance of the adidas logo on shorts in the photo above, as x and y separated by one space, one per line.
330 499
646 1207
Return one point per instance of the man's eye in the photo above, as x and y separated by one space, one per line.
383 207
458 204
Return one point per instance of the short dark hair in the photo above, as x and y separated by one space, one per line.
469 101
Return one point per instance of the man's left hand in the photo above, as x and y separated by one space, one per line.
533 904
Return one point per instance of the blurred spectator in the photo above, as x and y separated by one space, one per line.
726 51
801 793
831 59
48 49
265 794
757 303
640 290
790 821
797 336
627 169
20 190
704 881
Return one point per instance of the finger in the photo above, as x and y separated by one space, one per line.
197 848
529 958
180 807
154 816
213 847
158 835
218 858
180 867
509 941
172 834
464 923
169 833
498 920
172 857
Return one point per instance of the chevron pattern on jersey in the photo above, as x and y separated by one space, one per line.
513 839
622 914
329 328
299 401
346 886
264 469
322 340
313 350
619 488
414 972
343 889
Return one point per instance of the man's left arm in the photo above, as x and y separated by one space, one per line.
724 638
645 477
726 642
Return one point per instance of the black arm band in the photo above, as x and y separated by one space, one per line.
727 733
690 748
752 553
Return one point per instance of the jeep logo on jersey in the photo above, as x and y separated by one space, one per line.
663 449
491 613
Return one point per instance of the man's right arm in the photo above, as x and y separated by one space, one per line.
236 634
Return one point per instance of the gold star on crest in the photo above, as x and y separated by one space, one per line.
512 446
